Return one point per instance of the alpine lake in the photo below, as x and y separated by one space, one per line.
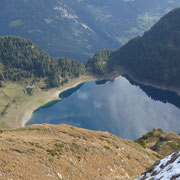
121 107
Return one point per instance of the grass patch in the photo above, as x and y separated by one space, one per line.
72 150
107 147
57 150
76 146
36 144
85 134
101 138
142 142
72 135
28 129
157 155
31 150
59 145
51 160
107 141
52 152
174 146
78 157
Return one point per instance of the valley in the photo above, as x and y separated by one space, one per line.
78 28
108 115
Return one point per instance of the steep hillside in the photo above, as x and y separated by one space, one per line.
167 168
79 28
161 142
63 152
152 58
21 59
155 56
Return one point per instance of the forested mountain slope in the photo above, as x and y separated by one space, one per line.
78 28
21 59
154 57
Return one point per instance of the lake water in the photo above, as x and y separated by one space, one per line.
121 107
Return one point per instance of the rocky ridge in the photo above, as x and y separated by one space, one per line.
167 168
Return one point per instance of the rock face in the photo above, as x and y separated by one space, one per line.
66 152
167 168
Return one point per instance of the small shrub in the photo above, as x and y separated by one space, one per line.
163 139
101 138
59 145
31 150
78 157
160 130
145 136
72 150
117 147
53 152
142 142
154 130
156 147
107 147
107 141
72 135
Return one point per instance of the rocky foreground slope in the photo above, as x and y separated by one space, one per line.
65 152
167 168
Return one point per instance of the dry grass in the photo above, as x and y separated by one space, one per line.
42 151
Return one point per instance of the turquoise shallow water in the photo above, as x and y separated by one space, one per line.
122 107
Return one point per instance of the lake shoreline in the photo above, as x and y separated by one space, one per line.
52 95
27 109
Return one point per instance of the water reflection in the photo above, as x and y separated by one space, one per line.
116 106
102 82
69 92
157 94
